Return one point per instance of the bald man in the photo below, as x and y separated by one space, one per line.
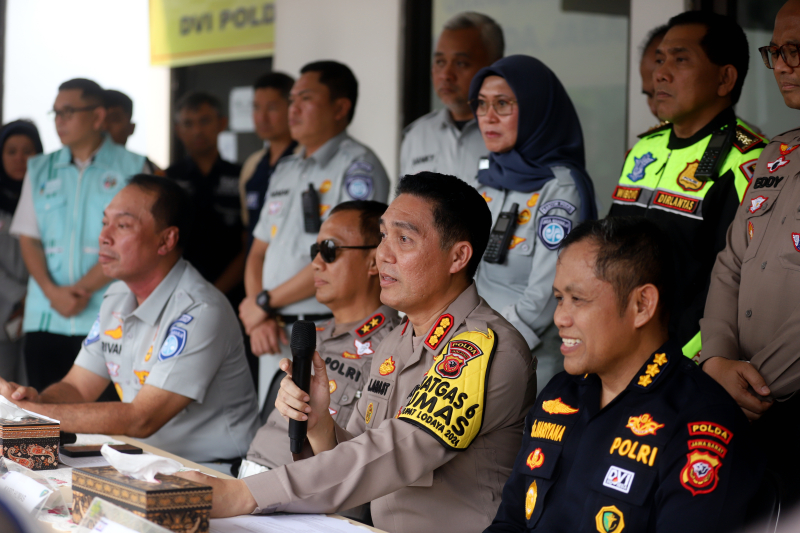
751 326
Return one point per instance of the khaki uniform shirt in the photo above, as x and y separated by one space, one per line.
184 338
348 357
341 170
433 143
752 312
416 482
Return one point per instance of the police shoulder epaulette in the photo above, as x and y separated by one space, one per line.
659 127
372 323
745 140
652 370
439 331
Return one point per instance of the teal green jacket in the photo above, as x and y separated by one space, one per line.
69 208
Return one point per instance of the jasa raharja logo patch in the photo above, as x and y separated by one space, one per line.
459 353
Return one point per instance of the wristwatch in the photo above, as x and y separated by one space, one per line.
262 300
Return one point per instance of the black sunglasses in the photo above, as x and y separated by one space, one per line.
327 250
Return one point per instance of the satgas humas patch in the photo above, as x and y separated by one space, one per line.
451 408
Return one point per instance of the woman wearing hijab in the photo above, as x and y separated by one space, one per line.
19 140
536 161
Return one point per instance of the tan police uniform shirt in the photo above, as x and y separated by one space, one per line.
415 482
751 313
348 356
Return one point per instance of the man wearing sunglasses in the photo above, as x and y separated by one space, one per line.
751 326
434 435
689 174
346 281
58 221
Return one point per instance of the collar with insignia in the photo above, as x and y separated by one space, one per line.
372 323
439 331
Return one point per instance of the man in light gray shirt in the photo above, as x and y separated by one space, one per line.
448 140
165 337
331 167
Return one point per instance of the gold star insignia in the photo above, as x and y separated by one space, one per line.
374 322
365 328
645 380
660 359
652 370
445 322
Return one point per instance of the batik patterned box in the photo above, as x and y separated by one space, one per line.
175 503
31 442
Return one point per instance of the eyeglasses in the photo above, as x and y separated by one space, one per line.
68 112
789 52
327 250
502 107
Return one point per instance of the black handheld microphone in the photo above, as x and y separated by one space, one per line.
304 342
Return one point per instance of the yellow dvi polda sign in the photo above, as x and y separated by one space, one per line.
189 32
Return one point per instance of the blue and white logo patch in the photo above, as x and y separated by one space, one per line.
184 319
557 204
94 333
359 187
639 165
174 343
552 230
619 479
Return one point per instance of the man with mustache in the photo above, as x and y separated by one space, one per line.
346 281
689 174
165 337
434 434
448 141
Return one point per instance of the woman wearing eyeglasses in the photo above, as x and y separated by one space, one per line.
537 189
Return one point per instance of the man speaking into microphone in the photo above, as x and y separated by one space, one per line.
447 394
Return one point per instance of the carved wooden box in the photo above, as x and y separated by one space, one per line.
31 442
177 504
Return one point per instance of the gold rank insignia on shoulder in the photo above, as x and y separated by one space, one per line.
371 325
663 125
745 140
439 331
557 407
652 370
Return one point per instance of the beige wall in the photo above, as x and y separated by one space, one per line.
366 36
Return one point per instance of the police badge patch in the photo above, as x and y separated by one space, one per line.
639 166
795 241
451 410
